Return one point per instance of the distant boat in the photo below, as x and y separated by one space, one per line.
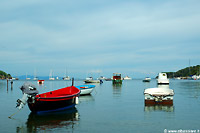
127 78
86 89
40 81
27 77
162 78
108 79
56 100
66 77
90 80
101 78
51 75
147 79
161 95
117 79
35 78
35 75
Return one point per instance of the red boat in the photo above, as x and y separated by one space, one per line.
50 101
40 81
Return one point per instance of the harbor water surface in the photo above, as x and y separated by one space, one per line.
110 108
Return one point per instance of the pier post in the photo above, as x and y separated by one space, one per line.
11 84
7 84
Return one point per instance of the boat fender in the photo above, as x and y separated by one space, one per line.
77 100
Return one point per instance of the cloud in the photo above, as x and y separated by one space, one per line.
99 35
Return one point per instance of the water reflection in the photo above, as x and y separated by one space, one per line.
65 119
163 108
117 88
86 98
190 88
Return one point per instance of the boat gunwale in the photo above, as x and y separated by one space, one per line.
58 97
37 97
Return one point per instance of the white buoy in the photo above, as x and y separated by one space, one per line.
76 100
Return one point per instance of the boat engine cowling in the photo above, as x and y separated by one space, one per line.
28 90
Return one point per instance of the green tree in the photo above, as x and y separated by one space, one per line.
4 75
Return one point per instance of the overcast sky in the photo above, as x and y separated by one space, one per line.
133 37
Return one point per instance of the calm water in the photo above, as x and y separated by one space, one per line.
108 109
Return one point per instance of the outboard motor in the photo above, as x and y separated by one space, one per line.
29 91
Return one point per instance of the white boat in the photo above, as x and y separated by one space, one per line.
35 78
127 78
86 89
90 80
161 95
147 79
27 77
162 78
66 78
101 78
35 75
51 75
195 77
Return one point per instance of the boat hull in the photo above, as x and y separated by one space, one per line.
117 81
163 102
48 106
92 81
54 100
86 89
158 100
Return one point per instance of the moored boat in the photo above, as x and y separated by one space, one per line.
66 78
56 100
40 81
117 79
101 78
147 79
86 89
160 95
51 75
90 80
127 78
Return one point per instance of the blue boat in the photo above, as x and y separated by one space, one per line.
85 89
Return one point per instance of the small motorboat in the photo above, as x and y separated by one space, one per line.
101 78
160 95
162 79
86 89
127 78
147 79
56 100
90 80
66 78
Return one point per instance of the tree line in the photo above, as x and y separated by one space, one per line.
4 75
185 72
